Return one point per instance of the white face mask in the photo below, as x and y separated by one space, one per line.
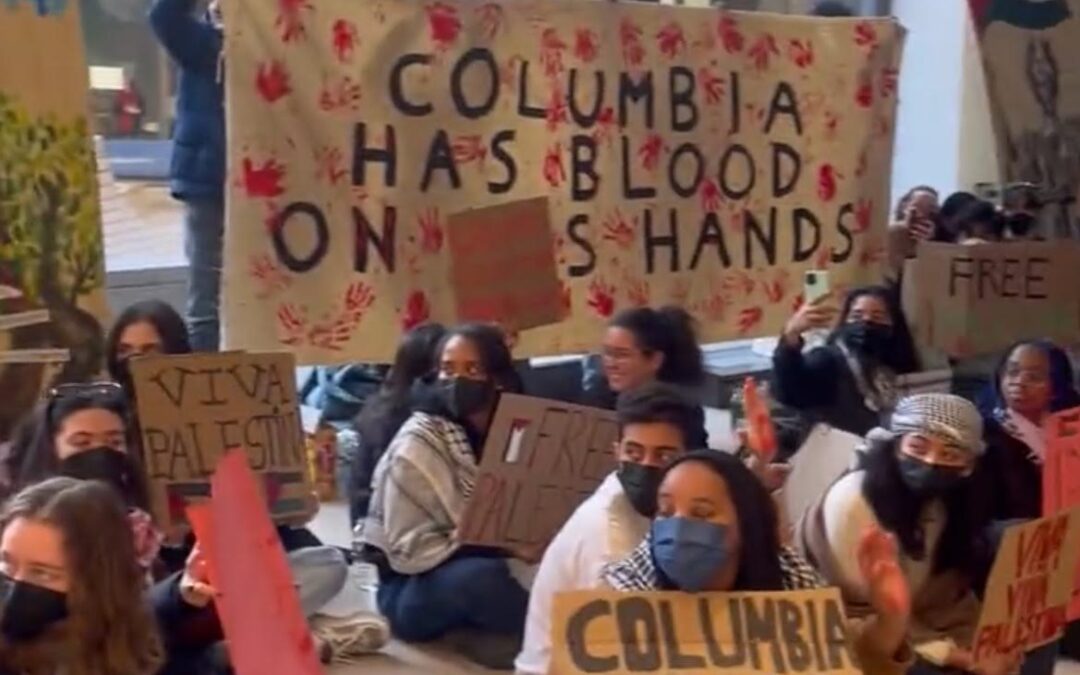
214 11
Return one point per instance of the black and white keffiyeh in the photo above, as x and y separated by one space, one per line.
951 418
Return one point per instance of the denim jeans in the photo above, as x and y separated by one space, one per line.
204 226
319 573
463 592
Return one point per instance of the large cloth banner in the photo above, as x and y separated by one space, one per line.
52 271
1031 52
690 156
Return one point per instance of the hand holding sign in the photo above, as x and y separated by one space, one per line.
815 315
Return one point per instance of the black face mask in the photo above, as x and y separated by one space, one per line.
1021 224
928 480
103 464
27 611
640 483
868 338
463 396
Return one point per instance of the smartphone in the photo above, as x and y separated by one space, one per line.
815 285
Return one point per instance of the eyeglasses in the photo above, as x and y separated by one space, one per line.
85 390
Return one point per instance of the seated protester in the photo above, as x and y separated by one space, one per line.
915 484
849 382
83 431
71 595
655 420
431 585
642 345
979 223
193 641
149 327
1033 380
385 412
716 530
914 220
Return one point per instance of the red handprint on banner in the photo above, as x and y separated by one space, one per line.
712 84
443 25
490 15
618 229
730 35
431 231
264 180
272 81
601 298
670 40
749 319
801 52
292 324
417 310
633 51
711 198
344 37
762 51
551 52
469 148
651 149
585 45
268 276
554 173
290 19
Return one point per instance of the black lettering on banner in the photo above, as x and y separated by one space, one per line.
725 175
986 278
761 630
681 189
682 85
292 261
397 86
798 652
752 231
578 221
175 396
577 627
779 187
525 109
836 635
585 120
676 660
1035 277
583 165
711 234
800 217
735 97
630 92
815 635
249 386
717 657
212 396
959 268
366 235
229 435
1008 274
362 154
841 255
506 159
653 242
466 109
783 101
550 440
631 191
440 157
640 634
274 382
574 436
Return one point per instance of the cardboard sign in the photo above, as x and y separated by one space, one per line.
973 300
690 156
1031 51
1030 586
259 608
195 408
699 633
52 262
503 265
541 460
1061 476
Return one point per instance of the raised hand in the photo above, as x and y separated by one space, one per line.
812 315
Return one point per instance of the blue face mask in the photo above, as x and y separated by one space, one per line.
689 552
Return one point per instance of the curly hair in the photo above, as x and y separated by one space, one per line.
109 629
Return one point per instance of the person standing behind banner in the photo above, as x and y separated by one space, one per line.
915 484
849 382
654 420
148 327
915 220
198 161
430 584
71 595
642 345
716 530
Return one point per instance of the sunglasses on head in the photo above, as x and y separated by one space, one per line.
82 390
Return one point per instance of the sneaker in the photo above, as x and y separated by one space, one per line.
356 635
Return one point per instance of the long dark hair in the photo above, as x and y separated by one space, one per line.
902 204
669 331
759 565
899 510
1063 392
490 343
37 459
166 321
902 356
109 629
384 412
